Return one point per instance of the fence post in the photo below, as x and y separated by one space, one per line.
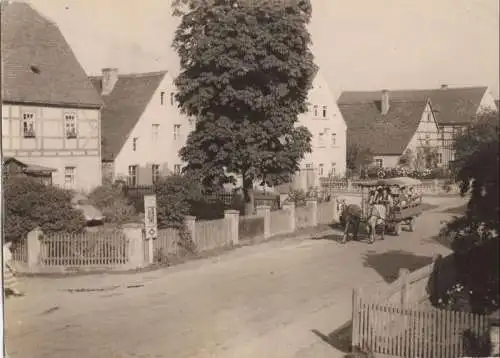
135 235
33 249
403 278
290 208
349 185
435 186
355 341
265 212
234 217
312 205
190 222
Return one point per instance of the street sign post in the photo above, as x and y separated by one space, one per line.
150 224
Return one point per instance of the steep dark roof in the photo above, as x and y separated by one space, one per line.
384 135
451 105
39 66
123 107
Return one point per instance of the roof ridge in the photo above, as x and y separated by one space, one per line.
135 74
419 89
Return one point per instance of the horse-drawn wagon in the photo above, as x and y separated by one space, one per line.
386 205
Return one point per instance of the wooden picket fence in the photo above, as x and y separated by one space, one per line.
391 330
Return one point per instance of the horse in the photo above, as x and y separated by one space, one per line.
376 218
350 215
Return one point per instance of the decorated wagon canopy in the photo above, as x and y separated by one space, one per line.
399 181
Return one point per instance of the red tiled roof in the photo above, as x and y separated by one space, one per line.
39 66
123 107
451 105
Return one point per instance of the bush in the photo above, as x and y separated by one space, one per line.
30 204
374 172
298 197
115 207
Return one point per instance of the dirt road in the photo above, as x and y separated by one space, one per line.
274 300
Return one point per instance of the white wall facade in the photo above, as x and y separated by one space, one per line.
157 142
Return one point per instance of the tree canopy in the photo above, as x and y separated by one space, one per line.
358 157
245 75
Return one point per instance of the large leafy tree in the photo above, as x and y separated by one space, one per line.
246 69
357 157
476 232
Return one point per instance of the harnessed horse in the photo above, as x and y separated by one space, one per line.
376 218
350 216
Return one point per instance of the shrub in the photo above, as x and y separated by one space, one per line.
298 197
115 207
30 204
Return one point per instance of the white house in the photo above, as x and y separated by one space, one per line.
142 127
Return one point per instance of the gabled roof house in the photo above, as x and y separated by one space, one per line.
50 110
142 128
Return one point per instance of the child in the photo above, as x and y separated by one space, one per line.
9 280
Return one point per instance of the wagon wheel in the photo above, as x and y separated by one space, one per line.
397 229
411 225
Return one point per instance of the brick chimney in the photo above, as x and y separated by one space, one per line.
109 78
385 102
444 86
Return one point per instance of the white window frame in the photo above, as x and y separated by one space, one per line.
69 177
155 132
177 131
333 169
162 98
132 175
379 163
177 169
333 138
321 169
324 111
155 173
70 125
172 98
309 166
321 139
28 125
315 110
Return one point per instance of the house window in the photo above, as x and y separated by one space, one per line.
155 132
134 143
172 98
321 139
28 125
162 98
333 169
177 131
321 169
309 166
324 111
440 158
69 176
177 169
70 125
429 116
334 139
315 109
155 173
379 163
132 175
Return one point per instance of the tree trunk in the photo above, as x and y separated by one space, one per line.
249 198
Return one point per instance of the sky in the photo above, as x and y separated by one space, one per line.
358 44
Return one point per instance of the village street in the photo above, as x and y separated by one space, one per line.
273 300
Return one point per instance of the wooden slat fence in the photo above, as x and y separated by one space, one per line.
20 251
395 331
165 245
303 217
101 248
280 222
213 234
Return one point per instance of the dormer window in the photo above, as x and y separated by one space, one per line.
70 125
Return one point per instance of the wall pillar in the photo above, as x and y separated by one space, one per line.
234 220
290 207
33 249
137 257
265 212
312 205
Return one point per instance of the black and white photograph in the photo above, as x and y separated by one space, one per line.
250 178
